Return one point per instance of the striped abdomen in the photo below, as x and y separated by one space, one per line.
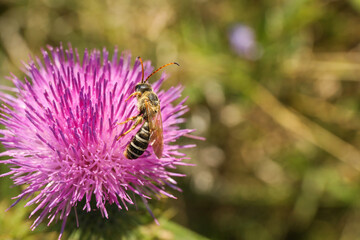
139 143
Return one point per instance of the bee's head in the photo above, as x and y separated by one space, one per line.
143 87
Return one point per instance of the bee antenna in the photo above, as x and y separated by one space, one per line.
160 68
142 69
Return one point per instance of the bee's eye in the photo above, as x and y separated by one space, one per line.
142 88
139 88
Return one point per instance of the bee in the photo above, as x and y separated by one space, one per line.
150 115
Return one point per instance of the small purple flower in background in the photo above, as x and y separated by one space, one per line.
61 134
243 42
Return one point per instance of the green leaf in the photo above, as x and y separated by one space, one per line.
169 230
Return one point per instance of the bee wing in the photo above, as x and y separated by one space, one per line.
156 129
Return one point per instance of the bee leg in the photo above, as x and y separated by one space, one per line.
133 94
128 120
138 121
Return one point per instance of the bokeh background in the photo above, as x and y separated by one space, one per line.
273 85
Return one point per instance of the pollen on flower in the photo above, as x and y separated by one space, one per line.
61 134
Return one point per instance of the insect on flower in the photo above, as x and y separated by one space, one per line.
149 113
62 141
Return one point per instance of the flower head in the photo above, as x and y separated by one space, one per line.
61 134
243 42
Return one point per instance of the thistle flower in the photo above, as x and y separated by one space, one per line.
61 134
243 42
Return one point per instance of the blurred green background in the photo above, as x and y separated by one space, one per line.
273 85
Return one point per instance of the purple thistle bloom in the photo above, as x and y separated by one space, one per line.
61 134
243 42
